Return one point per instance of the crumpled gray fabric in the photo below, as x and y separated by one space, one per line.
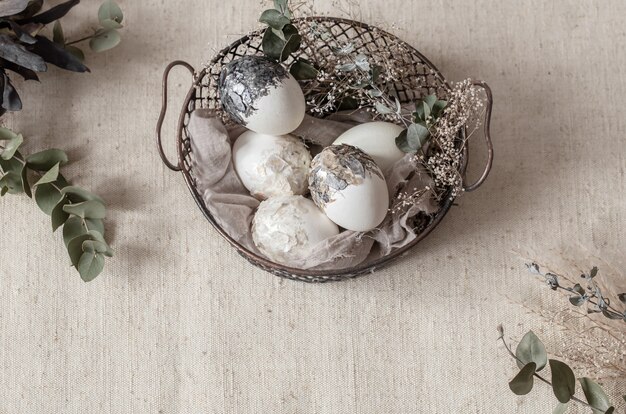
233 207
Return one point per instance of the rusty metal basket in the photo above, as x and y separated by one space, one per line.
424 77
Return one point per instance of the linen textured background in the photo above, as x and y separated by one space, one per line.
179 323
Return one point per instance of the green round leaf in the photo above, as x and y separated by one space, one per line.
522 384
76 52
302 70
45 160
90 265
105 40
49 176
595 395
58 216
110 24
75 248
563 380
110 10
47 197
560 408
87 209
73 228
15 140
272 44
274 19
57 33
77 194
531 349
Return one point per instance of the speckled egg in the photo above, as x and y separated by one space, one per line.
287 228
261 95
376 139
349 187
269 166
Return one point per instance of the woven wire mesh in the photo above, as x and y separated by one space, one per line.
420 78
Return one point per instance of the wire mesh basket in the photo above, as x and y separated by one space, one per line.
420 78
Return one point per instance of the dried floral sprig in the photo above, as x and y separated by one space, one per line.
591 294
78 211
26 51
531 358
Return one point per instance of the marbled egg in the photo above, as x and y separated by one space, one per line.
269 166
261 95
376 139
287 228
349 187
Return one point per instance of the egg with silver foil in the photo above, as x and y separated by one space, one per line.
286 229
261 95
349 187
270 165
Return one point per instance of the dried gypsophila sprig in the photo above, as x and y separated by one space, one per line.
591 294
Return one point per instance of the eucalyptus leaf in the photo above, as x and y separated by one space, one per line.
109 12
49 176
302 70
47 196
77 194
292 45
272 45
382 109
563 380
25 183
73 228
577 300
560 408
438 108
274 19
90 265
18 54
430 100
58 216
97 246
87 209
14 142
45 160
417 136
578 289
57 33
531 349
595 395
76 52
522 384
75 248
402 143
105 40
12 182
283 7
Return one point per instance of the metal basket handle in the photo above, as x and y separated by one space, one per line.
487 134
171 166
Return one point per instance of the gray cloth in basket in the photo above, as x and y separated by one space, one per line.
233 207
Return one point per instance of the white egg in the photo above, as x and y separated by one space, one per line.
287 228
269 166
261 95
349 187
376 139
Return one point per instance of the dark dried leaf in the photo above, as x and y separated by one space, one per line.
57 55
22 35
11 7
10 98
18 54
34 6
55 13
27 74
622 297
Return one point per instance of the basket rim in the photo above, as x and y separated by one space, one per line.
278 269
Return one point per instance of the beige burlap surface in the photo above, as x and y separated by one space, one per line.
178 323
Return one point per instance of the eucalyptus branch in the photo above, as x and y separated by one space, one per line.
590 295
535 374
79 212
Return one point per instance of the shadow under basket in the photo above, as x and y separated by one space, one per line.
422 76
